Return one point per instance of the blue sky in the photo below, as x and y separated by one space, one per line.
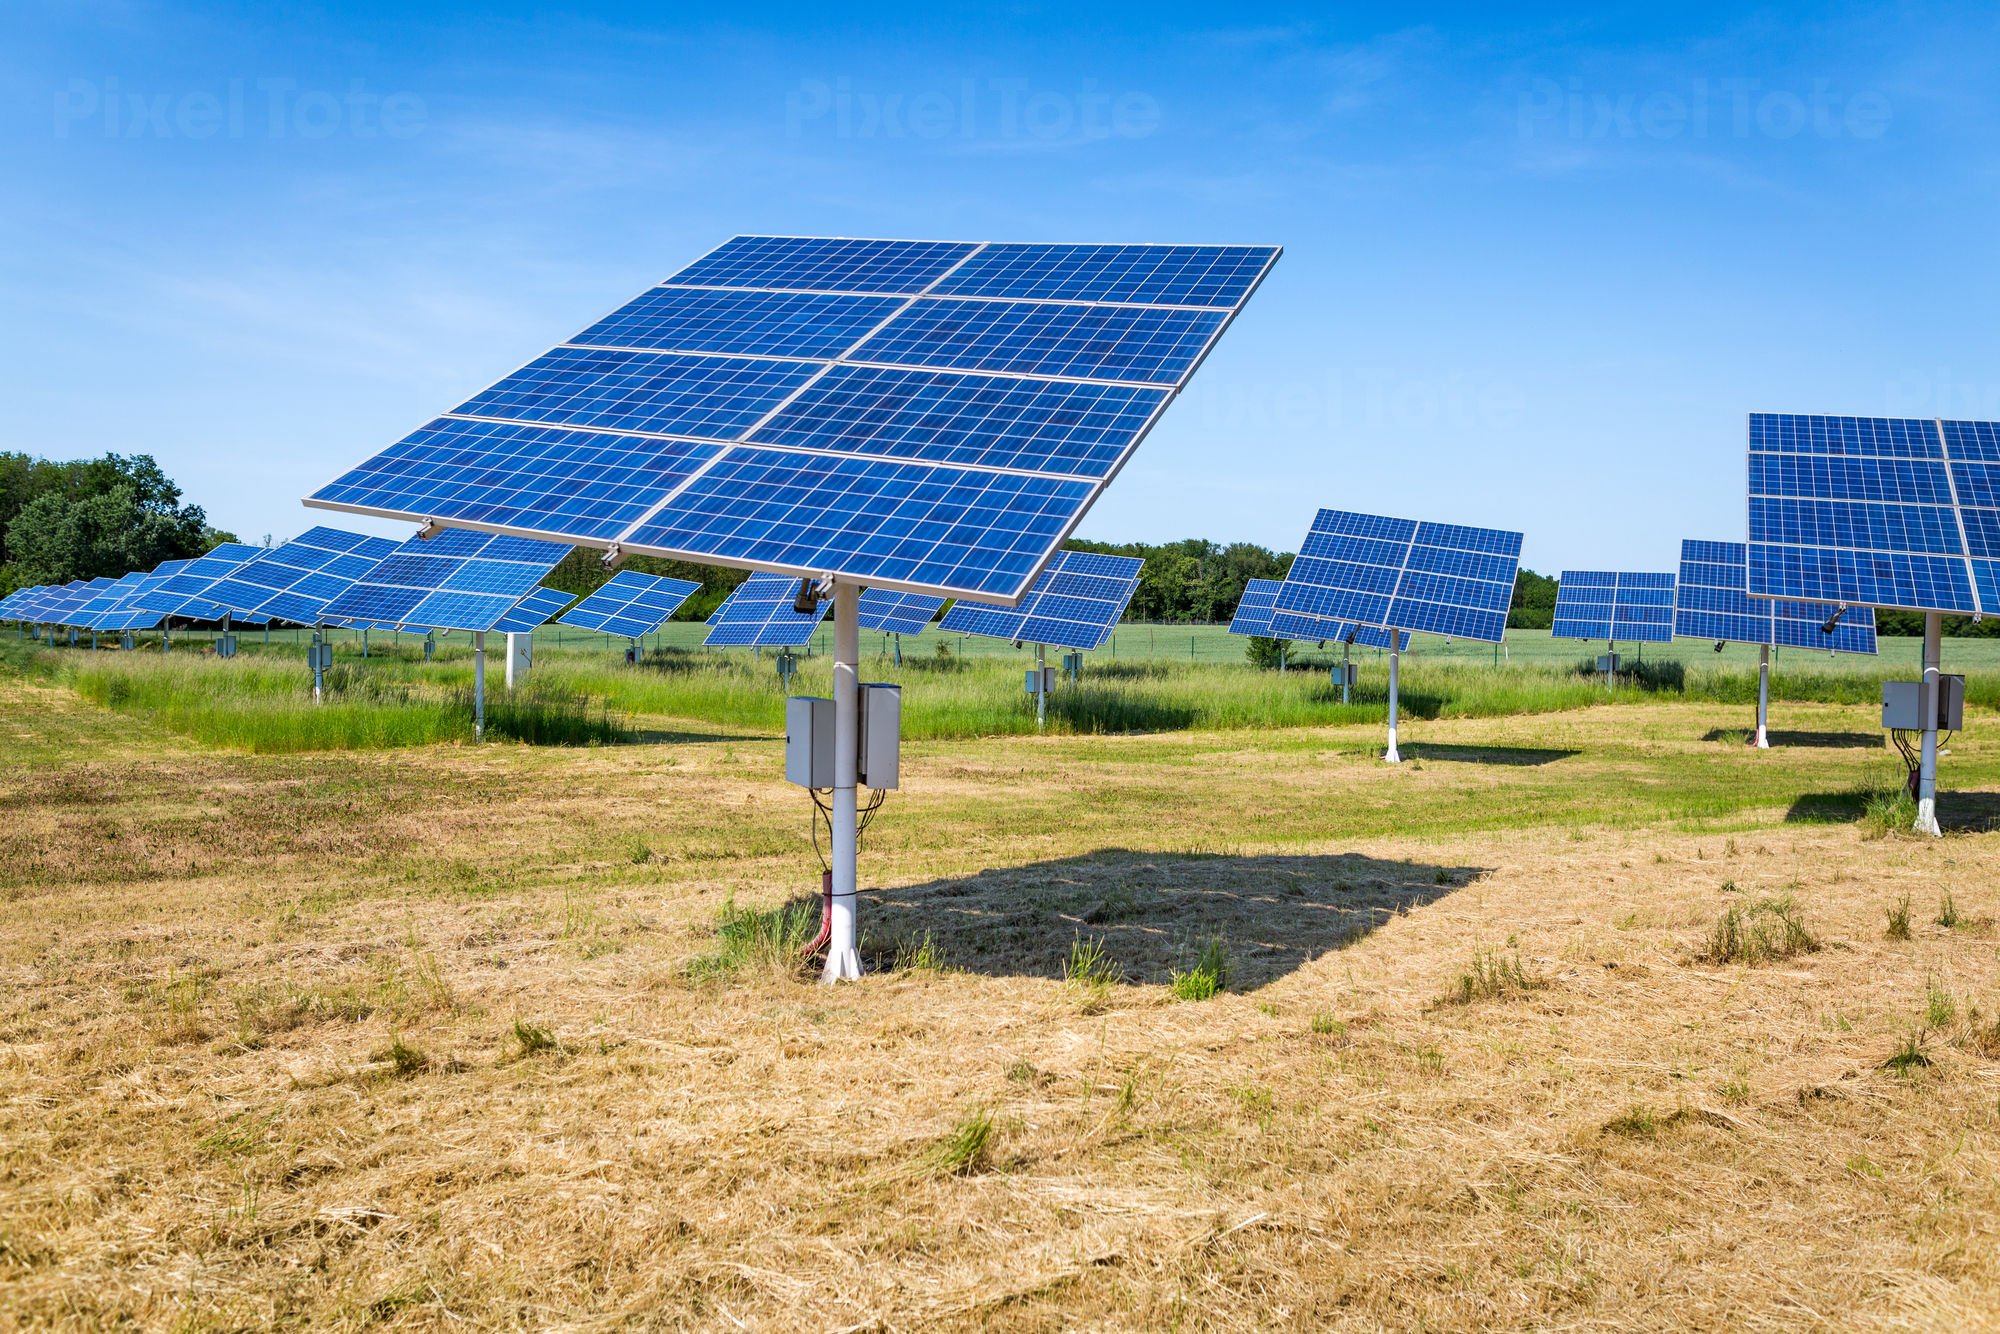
1537 270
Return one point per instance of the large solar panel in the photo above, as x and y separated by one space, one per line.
1615 607
1712 601
1076 603
896 613
455 580
1255 608
631 604
1876 511
759 614
15 603
108 600
1372 570
70 599
186 592
931 417
295 581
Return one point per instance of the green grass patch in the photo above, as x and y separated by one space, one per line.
1769 929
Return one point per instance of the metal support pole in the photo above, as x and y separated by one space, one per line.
167 636
364 642
1764 697
478 685
1927 765
1395 660
1346 671
1610 666
1041 686
318 665
843 959
899 650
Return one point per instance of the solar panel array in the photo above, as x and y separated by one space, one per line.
1372 570
532 611
759 614
1255 607
187 591
295 581
1616 607
631 604
1075 603
897 613
926 415
1712 601
456 580
1879 511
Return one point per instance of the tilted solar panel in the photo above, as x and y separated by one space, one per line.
931 417
1618 607
455 580
1875 511
631 604
1255 607
1076 603
108 600
295 581
759 614
897 613
187 592
1712 602
1373 570
532 611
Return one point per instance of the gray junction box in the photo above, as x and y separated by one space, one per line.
1903 704
809 738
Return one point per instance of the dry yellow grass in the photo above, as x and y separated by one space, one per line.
408 1041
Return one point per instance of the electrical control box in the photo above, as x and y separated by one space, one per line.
225 646
809 741
1073 666
1903 705
319 657
1040 680
1337 674
1608 662
881 735
520 657
430 647
125 641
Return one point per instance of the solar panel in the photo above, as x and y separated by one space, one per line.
1368 569
456 580
1712 602
759 613
1255 607
897 613
533 610
1615 607
631 604
186 591
1257 614
295 581
62 609
1076 603
1875 511
14 602
933 417
108 600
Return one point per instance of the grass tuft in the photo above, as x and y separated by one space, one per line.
1491 975
1768 929
767 938
965 1150
1208 977
1090 973
1948 912
1909 1056
533 1039
1898 914
1887 812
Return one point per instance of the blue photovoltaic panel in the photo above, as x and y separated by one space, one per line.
63 610
456 580
1255 608
1712 601
825 264
1076 603
186 591
932 417
759 614
631 604
771 324
1620 607
295 581
974 420
533 610
108 600
20 605
1875 511
1372 570
897 613
1150 275
1294 625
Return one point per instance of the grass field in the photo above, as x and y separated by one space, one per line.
1587 1017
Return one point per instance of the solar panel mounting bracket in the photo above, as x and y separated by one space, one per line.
614 556
429 529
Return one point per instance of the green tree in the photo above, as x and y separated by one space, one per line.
1534 606
582 571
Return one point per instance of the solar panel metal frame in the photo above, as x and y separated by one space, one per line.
1875 511
758 614
1075 603
1407 574
697 514
452 580
887 611
1711 602
631 604
1626 590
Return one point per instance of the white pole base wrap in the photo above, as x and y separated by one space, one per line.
843 959
842 966
1763 739
1927 818
1390 756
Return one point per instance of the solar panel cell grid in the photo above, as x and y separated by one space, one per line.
1218 276
897 613
759 614
1075 603
1254 608
827 264
1380 571
456 580
771 324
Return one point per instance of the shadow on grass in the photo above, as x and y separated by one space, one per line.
1087 708
1957 812
1740 736
1419 704
1154 911
1524 756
